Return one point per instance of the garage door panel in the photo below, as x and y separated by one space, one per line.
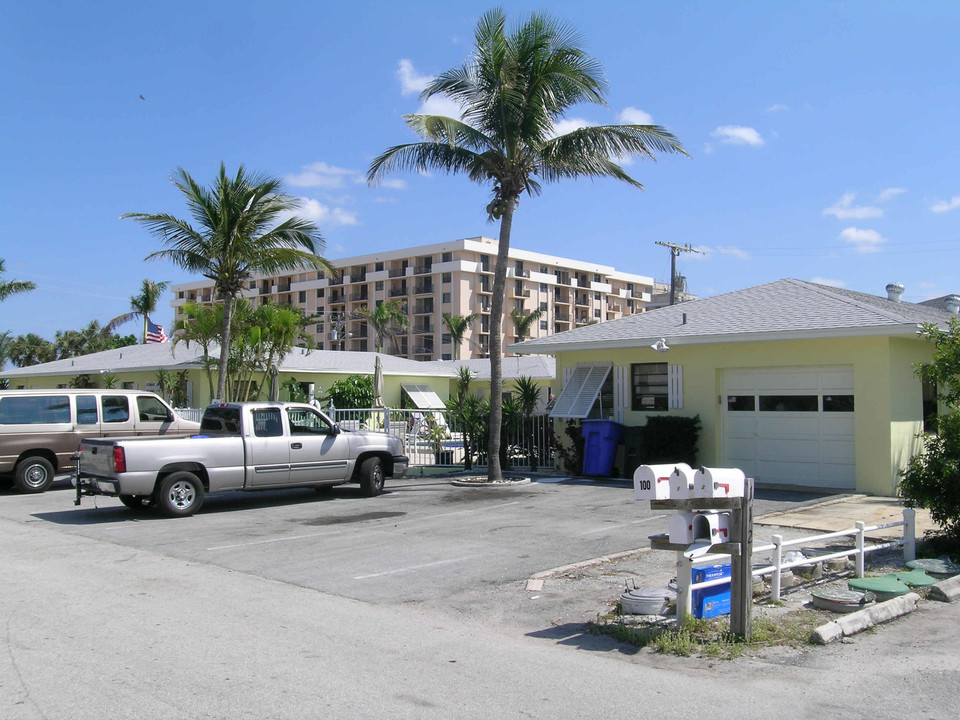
804 445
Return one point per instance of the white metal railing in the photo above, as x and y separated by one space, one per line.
685 587
194 414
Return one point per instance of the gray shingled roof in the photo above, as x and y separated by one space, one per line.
163 355
538 367
785 309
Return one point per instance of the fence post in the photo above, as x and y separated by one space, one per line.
860 554
909 534
777 560
684 580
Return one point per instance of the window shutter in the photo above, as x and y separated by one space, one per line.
675 386
580 390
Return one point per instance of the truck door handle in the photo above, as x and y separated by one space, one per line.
296 446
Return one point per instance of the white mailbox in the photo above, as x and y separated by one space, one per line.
652 482
681 482
706 529
680 528
718 483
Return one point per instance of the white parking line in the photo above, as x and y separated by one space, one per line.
413 567
611 527
337 532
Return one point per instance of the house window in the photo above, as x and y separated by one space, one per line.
650 387
741 403
789 403
838 403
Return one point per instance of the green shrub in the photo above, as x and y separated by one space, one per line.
355 391
670 438
931 480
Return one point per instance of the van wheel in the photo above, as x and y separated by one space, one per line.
180 494
33 475
371 477
136 502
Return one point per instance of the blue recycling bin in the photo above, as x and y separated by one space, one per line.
714 601
600 441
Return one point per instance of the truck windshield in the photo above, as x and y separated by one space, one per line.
221 421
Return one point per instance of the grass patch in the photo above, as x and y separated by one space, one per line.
711 638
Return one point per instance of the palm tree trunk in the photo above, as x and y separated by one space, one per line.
224 347
494 471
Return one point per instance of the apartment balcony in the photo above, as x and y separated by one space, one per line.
398 292
284 286
561 297
423 309
359 296
336 280
521 273
423 289
521 293
582 300
422 269
397 272
485 289
561 317
425 329
336 299
582 320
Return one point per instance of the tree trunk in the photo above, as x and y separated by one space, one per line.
494 472
224 347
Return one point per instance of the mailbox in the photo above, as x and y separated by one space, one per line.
681 482
718 483
706 529
680 528
652 482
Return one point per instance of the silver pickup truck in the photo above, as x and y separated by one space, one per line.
241 446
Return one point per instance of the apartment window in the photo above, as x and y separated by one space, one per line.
596 313
446 338
518 304
650 389
446 297
180 294
447 356
543 307
596 296
377 267
446 277
596 278
446 257
543 287
320 292
543 269
302 297
378 285
543 324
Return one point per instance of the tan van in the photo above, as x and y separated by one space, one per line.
40 430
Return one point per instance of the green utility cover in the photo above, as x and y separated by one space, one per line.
884 587
916 578
937 566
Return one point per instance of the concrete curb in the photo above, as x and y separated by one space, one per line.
946 590
863 619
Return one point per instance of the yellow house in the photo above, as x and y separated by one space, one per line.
137 366
798 384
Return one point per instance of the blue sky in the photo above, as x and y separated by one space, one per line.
824 138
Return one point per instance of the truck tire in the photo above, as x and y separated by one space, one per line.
136 502
33 474
180 494
371 477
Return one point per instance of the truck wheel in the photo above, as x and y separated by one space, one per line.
371 477
180 494
33 474
136 502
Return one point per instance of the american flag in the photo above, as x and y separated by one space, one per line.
155 333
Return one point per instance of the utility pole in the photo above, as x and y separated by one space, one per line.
674 251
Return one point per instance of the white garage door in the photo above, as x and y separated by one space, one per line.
790 426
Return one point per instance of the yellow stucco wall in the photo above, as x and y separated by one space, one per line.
887 393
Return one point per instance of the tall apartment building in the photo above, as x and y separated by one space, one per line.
453 277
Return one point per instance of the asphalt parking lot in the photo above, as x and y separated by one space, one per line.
468 550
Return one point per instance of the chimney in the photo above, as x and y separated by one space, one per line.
894 291
951 303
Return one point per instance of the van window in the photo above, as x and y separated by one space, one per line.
151 409
87 410
116 409
35 410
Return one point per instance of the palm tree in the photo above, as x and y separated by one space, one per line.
13 287
458 325
141 305
388 320
201 324
30 349
528 396
522 323
513 91
244 227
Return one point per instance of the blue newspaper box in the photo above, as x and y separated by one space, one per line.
600 441
713 601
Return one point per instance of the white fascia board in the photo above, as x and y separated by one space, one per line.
554 348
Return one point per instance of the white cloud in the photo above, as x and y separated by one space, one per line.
829 281
706 251
738 135
946 205
865 241
634 116
441 105
777 107
319 174
410 82
844 209
567 125
890 193
323 215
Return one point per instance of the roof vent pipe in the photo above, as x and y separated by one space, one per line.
894 291
951 304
